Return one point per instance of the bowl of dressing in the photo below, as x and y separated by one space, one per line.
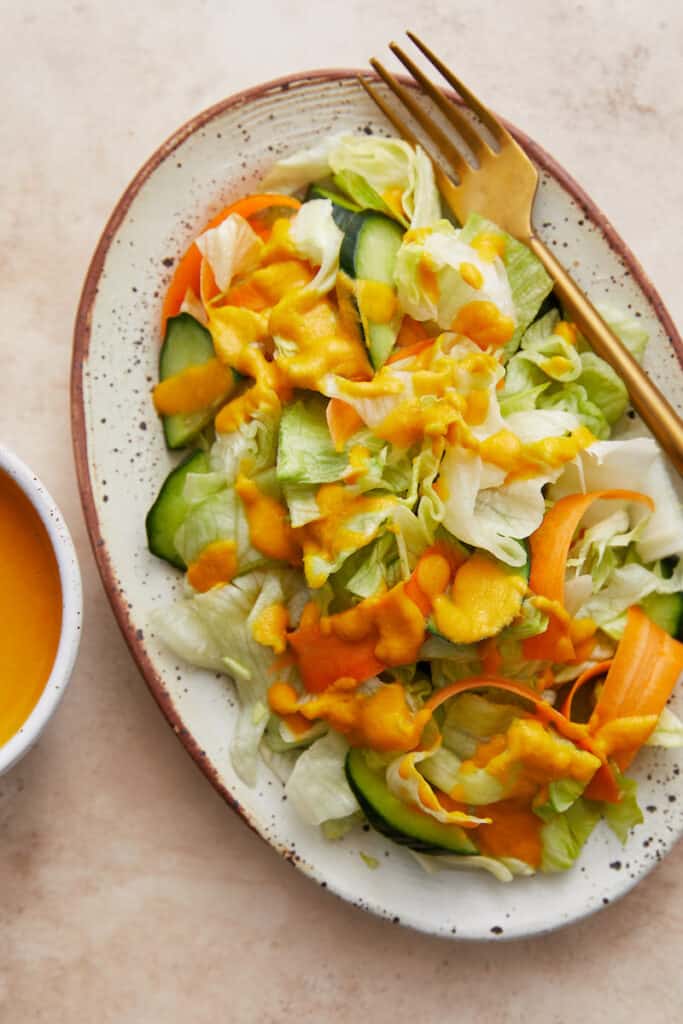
41 608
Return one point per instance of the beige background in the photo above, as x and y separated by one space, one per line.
128 892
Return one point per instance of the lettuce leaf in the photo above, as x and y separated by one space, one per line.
231 248
504 869
628 329
444 250
306 453
484 511
362 194
249 449
639 463
214 631
564 835
628 585
423 205
315 236
317 788
626 814
603 386
573 398
299 169
668 732
528 280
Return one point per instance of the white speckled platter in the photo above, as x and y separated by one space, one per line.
121 460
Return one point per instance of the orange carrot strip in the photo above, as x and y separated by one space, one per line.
343 421
585 677
410 350
550 546
603 785
411 331
186 274
642 676
572 730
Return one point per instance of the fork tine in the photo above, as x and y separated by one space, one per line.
446 186
435 133
483 113
399 124
459 121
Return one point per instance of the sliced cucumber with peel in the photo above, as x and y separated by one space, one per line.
368 253
170 509
406 825
187 343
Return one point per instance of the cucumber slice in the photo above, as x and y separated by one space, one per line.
368 253
396 820
186 344
666 611
170 509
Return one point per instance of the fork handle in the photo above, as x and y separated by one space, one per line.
646 398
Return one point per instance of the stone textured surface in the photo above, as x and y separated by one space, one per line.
129 893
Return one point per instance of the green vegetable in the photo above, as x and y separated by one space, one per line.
390 816
318 788
305 452
625 814
529 282
564 835
171 508
187 344
368 253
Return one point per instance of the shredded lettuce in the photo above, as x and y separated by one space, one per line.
216 627
443 249
668 732
316 237
528 280
504 869
229 249
627 328
299 169
562 793
640 464
317 787
564 835
305 452
625 814
626 586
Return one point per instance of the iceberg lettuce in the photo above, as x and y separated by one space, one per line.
528 280
315 236
628 585
443 250
628 329
625 814
214 631
317 787
305 452
668 732
231 248
638 461
564 835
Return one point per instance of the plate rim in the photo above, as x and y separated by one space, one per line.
80 353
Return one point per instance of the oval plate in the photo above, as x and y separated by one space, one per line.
121 461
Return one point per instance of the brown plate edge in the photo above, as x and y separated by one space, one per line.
81 342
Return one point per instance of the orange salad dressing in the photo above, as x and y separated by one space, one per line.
30 607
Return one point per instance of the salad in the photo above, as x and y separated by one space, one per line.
418 530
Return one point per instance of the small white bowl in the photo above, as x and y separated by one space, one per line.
72 609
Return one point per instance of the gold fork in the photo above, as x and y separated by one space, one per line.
502 188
